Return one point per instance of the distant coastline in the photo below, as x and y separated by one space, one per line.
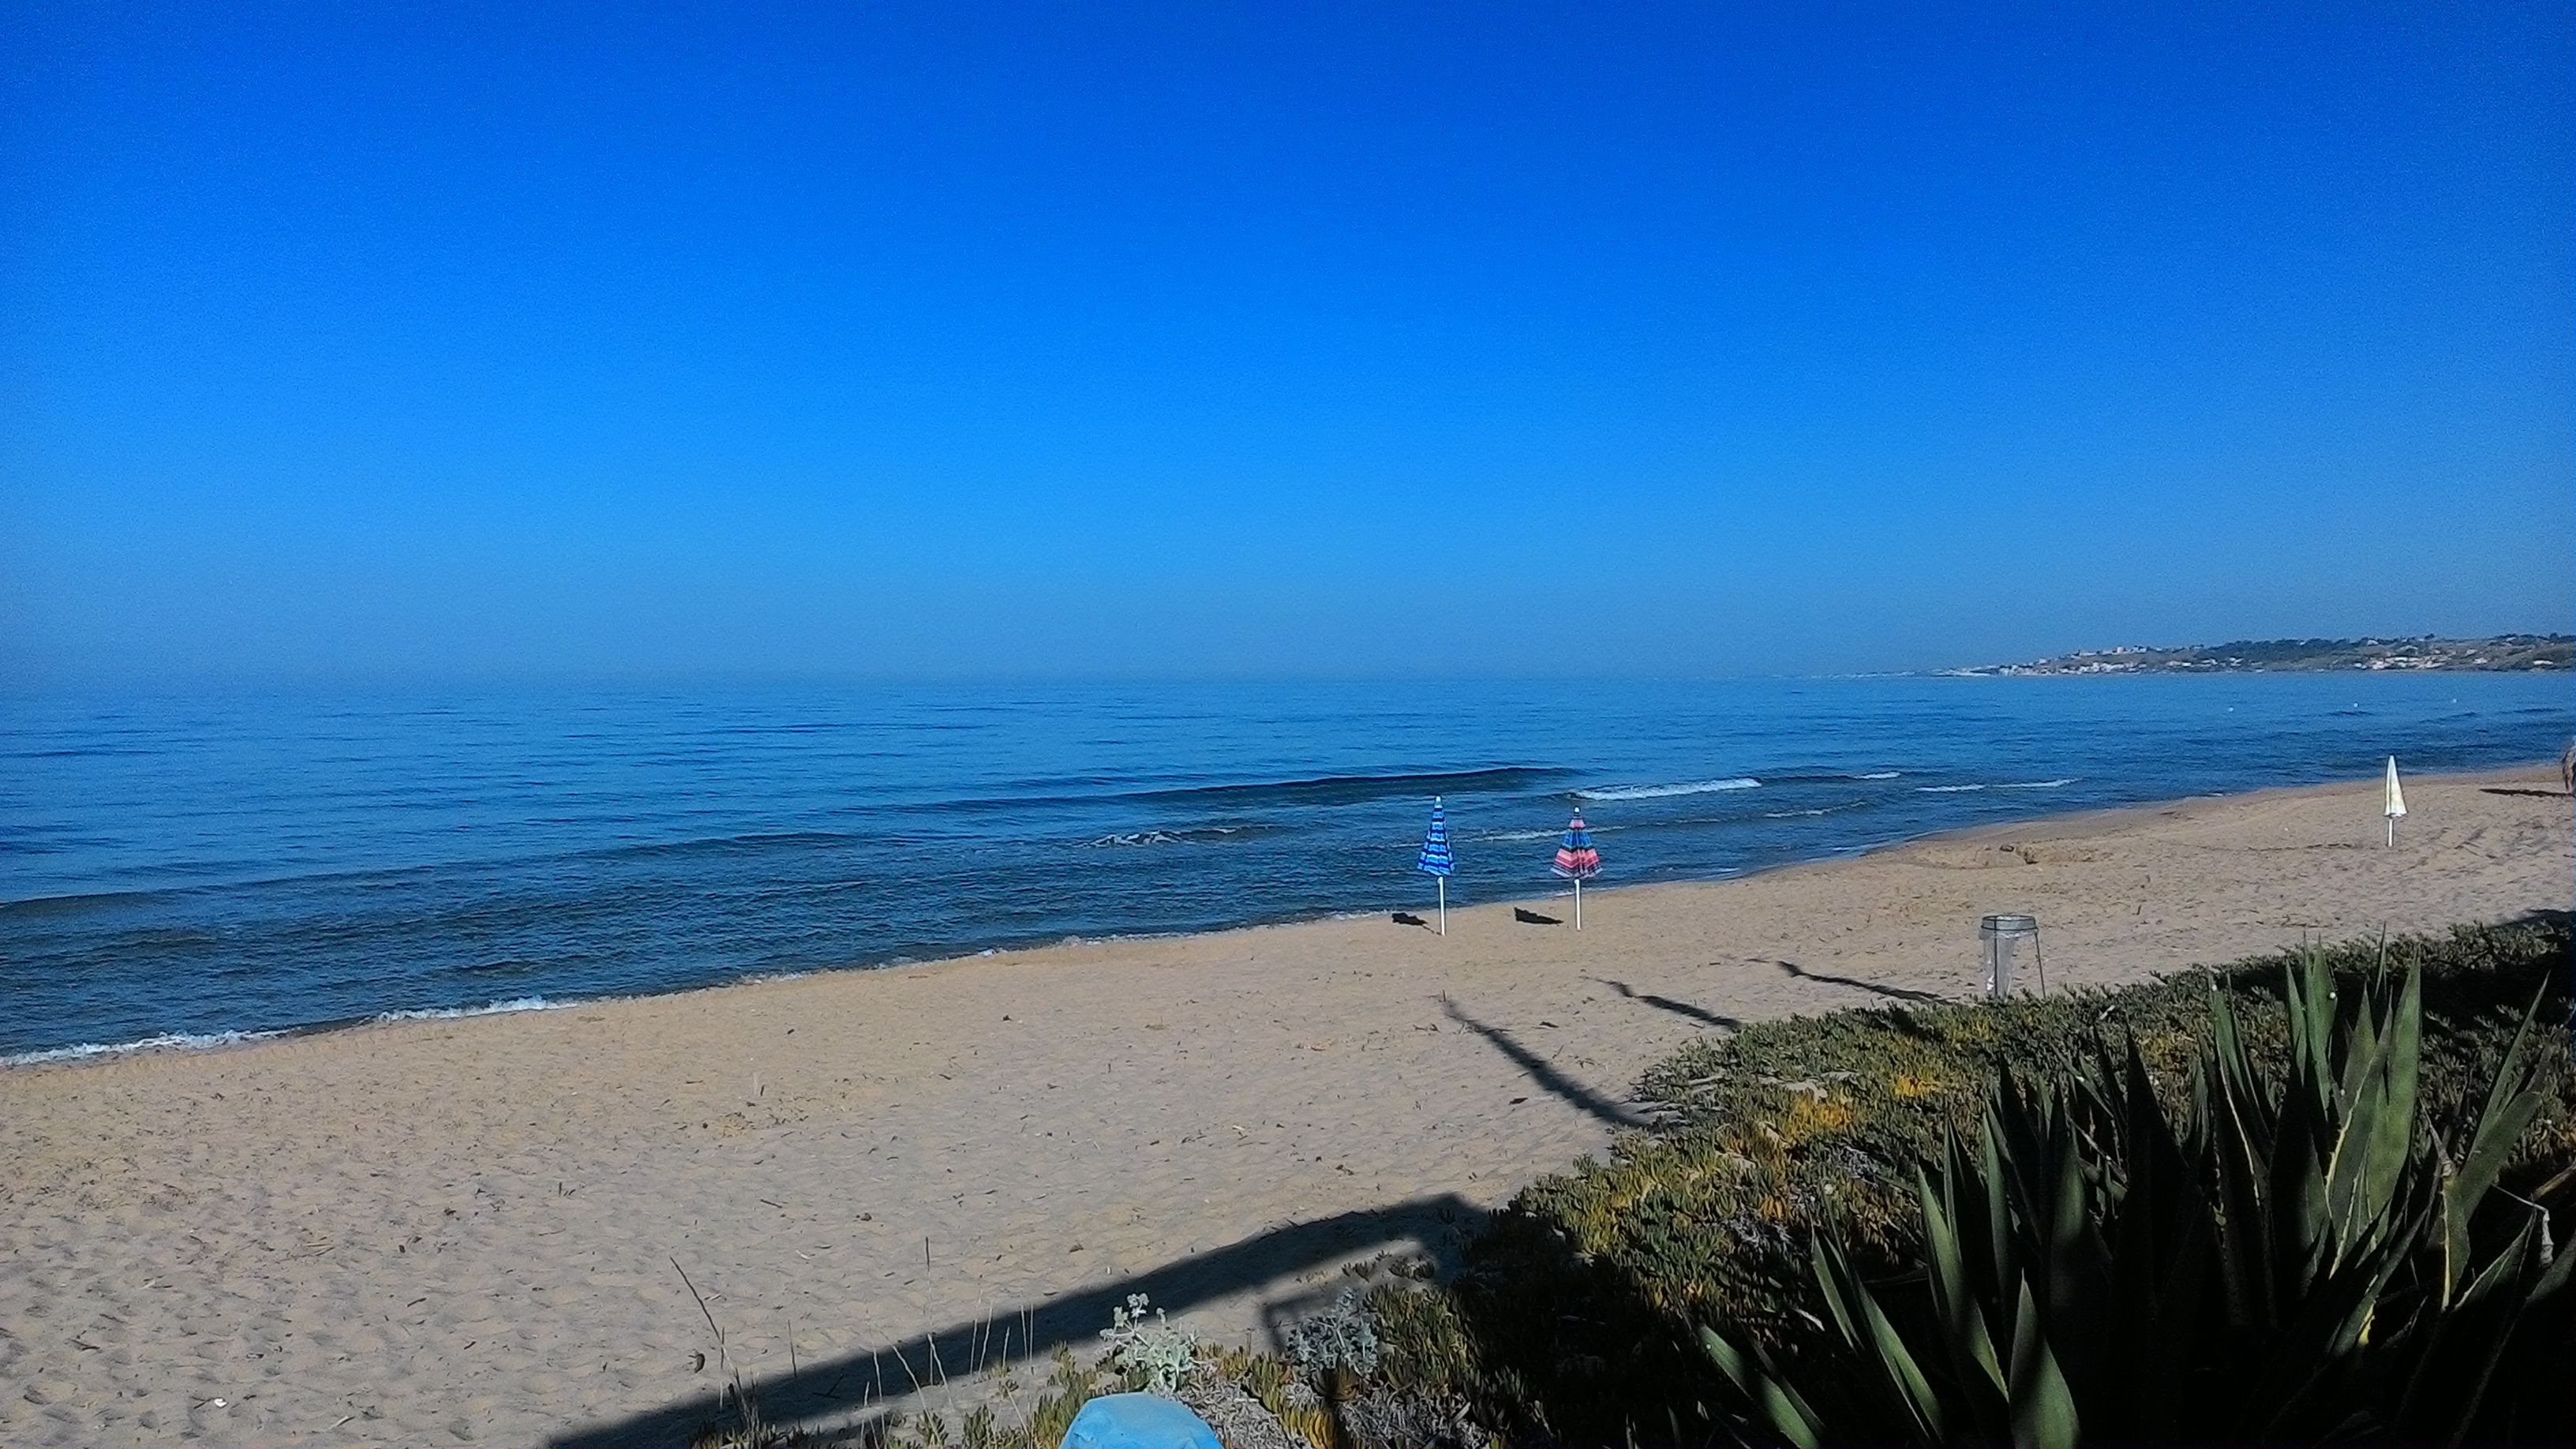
2492 654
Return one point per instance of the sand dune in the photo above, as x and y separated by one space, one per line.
450 1232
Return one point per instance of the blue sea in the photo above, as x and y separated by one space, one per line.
184 870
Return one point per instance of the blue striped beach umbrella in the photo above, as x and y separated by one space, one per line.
1435 862
1577 861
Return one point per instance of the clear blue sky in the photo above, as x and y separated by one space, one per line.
388 342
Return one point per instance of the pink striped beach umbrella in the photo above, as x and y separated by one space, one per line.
1577 861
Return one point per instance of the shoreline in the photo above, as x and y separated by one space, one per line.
2065 824
464 1229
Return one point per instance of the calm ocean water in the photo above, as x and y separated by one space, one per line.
191 867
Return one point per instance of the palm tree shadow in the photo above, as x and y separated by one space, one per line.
1666 1003
1894 993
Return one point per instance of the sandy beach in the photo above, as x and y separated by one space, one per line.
465 1231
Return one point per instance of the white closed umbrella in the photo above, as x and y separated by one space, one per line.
2396 800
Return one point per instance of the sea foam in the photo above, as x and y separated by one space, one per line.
167 1041
1819 810
1658 792
452 1013
1188 835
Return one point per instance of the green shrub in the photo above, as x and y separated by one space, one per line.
2294 1257
1572 1319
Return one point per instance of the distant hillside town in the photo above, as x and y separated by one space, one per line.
2259 656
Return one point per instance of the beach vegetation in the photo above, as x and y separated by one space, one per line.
1339 1340
1577 1312
1149 1355
1256 1400
2299 1255
2359 1160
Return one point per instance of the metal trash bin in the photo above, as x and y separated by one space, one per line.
2000 939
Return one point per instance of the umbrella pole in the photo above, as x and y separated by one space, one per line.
1444 903
1578 903
2392 830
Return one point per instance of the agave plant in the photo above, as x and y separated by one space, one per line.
2300 1257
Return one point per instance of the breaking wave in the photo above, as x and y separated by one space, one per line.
2005 785
1357 789
1185 836
167 1041
1658 792
1819 810
452 1013
177 1041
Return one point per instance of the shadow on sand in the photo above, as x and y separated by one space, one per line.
843 1395
1665 1003
1588 1352
1893 993
1543 1072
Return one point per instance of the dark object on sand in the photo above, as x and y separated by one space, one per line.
1528 917
1408 918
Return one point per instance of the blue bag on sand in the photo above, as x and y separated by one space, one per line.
1138 1421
